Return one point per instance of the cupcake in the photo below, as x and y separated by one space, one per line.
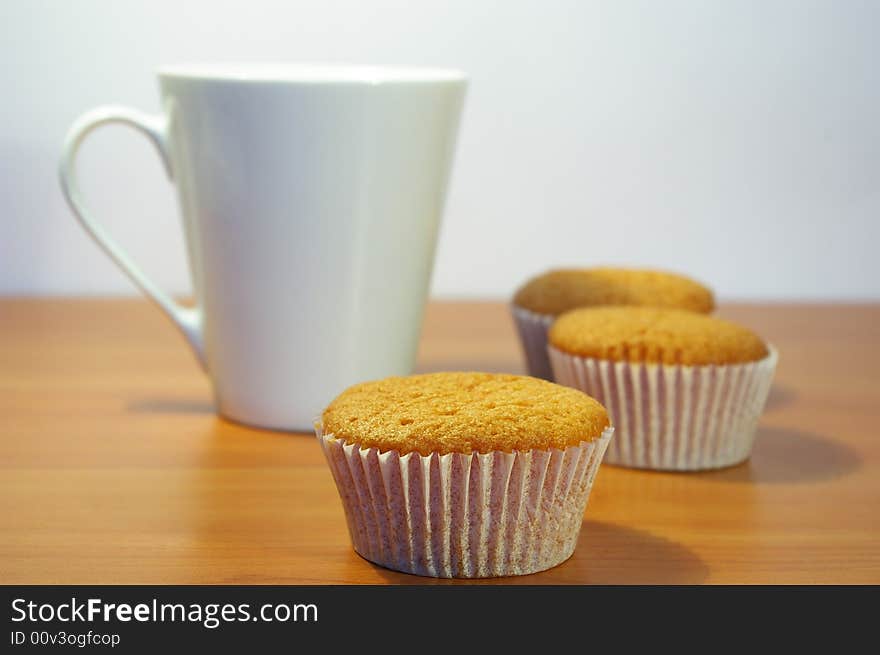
684 390
537 304
464 475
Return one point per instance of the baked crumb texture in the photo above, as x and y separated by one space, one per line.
654 335
558 291
464 413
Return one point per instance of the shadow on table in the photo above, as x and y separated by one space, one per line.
780 396
171 406
606 554
786 455
193 407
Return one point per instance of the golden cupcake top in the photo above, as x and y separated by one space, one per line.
462 413
558 291
654 335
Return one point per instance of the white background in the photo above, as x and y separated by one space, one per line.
737 141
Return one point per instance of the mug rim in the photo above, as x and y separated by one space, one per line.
309 73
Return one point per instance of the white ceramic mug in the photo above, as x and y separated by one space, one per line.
311 198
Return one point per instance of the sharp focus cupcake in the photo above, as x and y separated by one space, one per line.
684 390
537 304
464 474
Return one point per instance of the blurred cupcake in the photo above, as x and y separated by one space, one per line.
684 390
537 304
464 474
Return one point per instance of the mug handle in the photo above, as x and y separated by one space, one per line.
155 128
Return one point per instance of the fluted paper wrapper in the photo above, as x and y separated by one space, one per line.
533 329
670 417
464 516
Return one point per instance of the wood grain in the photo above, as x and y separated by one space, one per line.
114 469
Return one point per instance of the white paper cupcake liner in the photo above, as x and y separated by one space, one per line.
669 417
533 329
464 516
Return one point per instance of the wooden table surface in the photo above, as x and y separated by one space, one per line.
114 469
